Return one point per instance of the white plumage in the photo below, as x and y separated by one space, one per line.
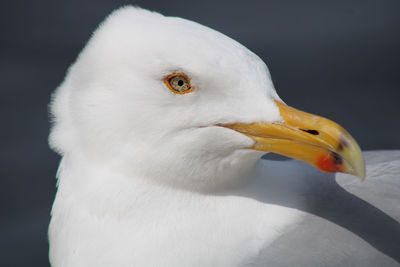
147 177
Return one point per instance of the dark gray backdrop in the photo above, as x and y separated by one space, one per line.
339 59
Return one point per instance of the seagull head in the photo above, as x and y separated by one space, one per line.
172 101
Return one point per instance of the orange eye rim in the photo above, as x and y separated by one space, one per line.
168 84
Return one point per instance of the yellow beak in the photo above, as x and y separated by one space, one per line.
309 138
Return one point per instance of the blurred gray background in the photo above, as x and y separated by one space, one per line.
339 59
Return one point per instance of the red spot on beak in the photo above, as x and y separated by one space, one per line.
328 163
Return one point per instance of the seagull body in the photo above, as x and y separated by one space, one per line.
161 124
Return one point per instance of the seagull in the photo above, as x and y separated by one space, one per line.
162 123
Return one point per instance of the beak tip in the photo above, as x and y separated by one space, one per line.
358 168
361 172
359 163
360 175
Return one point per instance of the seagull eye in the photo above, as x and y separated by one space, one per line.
179 83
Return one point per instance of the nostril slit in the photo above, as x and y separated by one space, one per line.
313 132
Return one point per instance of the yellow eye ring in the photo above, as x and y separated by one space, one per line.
179 83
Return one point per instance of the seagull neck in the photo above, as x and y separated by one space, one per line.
99 190
102 181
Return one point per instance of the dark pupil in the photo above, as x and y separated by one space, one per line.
180 82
